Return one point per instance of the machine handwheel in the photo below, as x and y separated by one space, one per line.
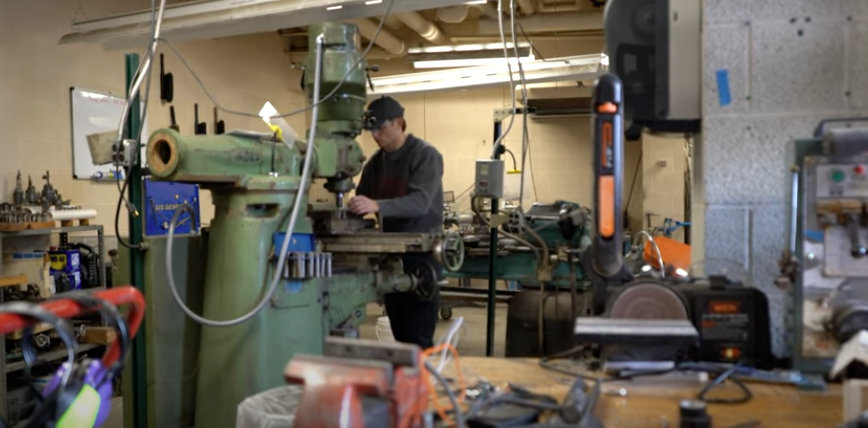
446 313
426 281
452 251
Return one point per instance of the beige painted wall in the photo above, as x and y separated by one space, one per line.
36 73
243 72
460 125
664 162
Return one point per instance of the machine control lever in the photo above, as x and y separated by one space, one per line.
857 247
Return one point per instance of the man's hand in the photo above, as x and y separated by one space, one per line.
362 205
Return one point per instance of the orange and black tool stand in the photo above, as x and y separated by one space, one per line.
603 263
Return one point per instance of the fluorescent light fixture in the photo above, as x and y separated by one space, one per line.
471 62
465 48
469 55
477 2
581 67
370 2
338 7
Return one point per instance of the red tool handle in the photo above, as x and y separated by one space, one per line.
66 308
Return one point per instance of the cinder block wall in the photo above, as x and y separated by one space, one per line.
788 65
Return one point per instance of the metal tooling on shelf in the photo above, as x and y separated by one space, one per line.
63 231
30 209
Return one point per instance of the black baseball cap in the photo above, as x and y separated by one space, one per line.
380 110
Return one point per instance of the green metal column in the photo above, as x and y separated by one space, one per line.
492 262
137 256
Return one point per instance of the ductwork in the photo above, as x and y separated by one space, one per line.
385 40
425 28
453 14
487 10
525 6
393 23
543 6
562 22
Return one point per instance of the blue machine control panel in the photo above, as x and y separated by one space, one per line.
162 198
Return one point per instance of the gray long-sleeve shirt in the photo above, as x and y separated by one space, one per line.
408 186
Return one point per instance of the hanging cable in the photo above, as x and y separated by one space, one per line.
727 375
295 112
156 21
514 163
496 146
281 260
156 26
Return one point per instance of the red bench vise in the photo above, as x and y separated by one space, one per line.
360 383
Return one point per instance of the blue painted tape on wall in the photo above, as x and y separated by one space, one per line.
723 93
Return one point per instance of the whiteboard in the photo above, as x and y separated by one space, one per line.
94 112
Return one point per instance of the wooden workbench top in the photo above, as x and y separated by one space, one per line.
650 401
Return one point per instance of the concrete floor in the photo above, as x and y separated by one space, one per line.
472 337
472 342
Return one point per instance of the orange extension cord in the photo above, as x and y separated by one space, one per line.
433 391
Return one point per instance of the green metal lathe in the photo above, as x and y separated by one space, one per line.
336 263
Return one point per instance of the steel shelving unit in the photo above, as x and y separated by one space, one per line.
55 355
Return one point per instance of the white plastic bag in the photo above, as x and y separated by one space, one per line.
274 408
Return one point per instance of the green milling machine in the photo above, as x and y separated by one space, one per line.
335 262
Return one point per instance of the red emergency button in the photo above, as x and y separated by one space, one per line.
859 169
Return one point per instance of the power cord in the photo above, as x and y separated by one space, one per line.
152 51
744 398
122 199
459 415
545 362
295 112
290 228
497 143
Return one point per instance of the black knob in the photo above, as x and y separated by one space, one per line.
694 415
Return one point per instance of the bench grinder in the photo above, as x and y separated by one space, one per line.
336 263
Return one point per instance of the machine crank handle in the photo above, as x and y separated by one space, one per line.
426 281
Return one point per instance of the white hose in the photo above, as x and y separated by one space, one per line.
281 260
451 334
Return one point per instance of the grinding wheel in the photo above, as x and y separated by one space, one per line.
648 300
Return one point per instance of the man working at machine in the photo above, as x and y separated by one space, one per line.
403 183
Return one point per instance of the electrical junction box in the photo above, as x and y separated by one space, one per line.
489 178
162 198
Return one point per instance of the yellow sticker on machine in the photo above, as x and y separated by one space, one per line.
58 261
